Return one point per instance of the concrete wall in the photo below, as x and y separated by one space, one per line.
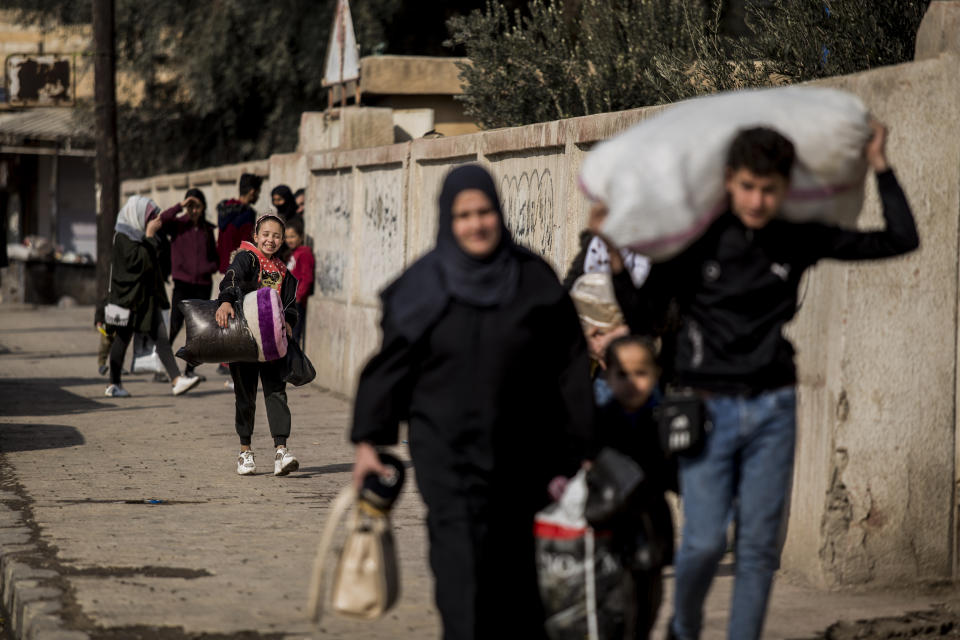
877 355
874 491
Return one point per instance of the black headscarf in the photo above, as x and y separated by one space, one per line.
289 207
421 295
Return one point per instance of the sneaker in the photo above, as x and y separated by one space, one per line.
284 462
223 369
104 369
116 391
246 466
228 385
184 384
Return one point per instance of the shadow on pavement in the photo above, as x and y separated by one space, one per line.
44 397
324 470
35 437
344 467
48 329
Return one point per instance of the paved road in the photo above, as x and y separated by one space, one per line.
221 556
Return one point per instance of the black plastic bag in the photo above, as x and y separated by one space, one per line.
208 342
611 483
298 370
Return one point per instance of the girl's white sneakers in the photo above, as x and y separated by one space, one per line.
284 462
246 465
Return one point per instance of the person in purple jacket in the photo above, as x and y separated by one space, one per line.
193 253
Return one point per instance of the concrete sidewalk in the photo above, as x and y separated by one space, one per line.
87 552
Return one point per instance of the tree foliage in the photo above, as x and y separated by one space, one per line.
561 59
225 81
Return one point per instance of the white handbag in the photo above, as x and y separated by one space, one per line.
115 315
366 580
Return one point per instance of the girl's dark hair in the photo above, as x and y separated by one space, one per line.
761 151
296 224
264 218
639 341
196 193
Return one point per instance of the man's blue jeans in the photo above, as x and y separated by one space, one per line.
746 465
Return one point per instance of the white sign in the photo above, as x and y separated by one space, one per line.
343 54
42 80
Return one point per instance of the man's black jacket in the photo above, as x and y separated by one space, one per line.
736 287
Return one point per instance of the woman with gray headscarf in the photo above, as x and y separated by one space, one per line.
137 295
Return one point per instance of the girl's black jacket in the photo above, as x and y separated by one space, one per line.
243 276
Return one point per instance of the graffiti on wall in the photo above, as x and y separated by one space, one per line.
332 239
528 204
331 267
381 210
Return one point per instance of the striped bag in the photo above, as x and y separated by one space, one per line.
263 312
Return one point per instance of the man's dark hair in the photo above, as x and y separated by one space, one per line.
613 361
298 193
249 182
761 151
296 223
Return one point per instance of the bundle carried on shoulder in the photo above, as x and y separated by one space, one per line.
663 179
256 333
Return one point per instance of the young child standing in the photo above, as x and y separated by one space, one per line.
301 264
626 423
256 266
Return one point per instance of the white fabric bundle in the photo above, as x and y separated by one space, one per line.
596 302
663 179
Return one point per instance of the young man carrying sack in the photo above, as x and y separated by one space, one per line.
734 289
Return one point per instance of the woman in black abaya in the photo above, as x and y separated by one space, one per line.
484 356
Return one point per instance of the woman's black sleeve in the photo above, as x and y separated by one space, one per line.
131 263
576 388
383 394
577 265
241 270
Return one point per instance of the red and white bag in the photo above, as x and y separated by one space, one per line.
582 582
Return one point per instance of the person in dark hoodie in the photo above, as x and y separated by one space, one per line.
235 218
194 256
483 355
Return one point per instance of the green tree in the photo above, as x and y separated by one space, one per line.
562 59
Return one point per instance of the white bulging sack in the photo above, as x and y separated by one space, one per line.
663 179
